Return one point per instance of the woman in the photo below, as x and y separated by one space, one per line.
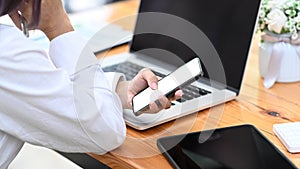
49 99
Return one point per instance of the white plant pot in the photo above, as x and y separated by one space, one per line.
289 68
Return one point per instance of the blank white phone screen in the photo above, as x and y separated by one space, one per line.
168 84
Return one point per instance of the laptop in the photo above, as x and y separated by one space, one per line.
169 33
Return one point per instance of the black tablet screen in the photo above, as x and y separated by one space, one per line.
238 147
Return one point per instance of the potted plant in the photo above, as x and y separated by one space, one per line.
279 54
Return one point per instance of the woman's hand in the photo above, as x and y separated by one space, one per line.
145 78
53 21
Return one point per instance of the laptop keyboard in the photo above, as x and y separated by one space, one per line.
131 69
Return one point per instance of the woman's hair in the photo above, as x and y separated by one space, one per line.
6 6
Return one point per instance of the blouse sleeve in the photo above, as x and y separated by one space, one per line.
65 101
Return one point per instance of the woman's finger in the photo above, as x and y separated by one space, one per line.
165 102
150 77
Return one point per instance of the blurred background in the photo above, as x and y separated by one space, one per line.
73 6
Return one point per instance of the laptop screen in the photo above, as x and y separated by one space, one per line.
229 26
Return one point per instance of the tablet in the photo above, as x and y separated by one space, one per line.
237 147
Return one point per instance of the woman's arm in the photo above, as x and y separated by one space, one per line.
50 106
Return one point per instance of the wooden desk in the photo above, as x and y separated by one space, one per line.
253 106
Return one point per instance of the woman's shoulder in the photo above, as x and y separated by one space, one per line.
12 37
15 46
10 32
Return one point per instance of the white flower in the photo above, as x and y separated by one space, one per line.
276 19
294 36
280 17
262 13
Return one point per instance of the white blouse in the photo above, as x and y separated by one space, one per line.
62 101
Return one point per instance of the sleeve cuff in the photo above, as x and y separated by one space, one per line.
114 78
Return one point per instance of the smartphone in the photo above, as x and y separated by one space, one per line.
184 75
